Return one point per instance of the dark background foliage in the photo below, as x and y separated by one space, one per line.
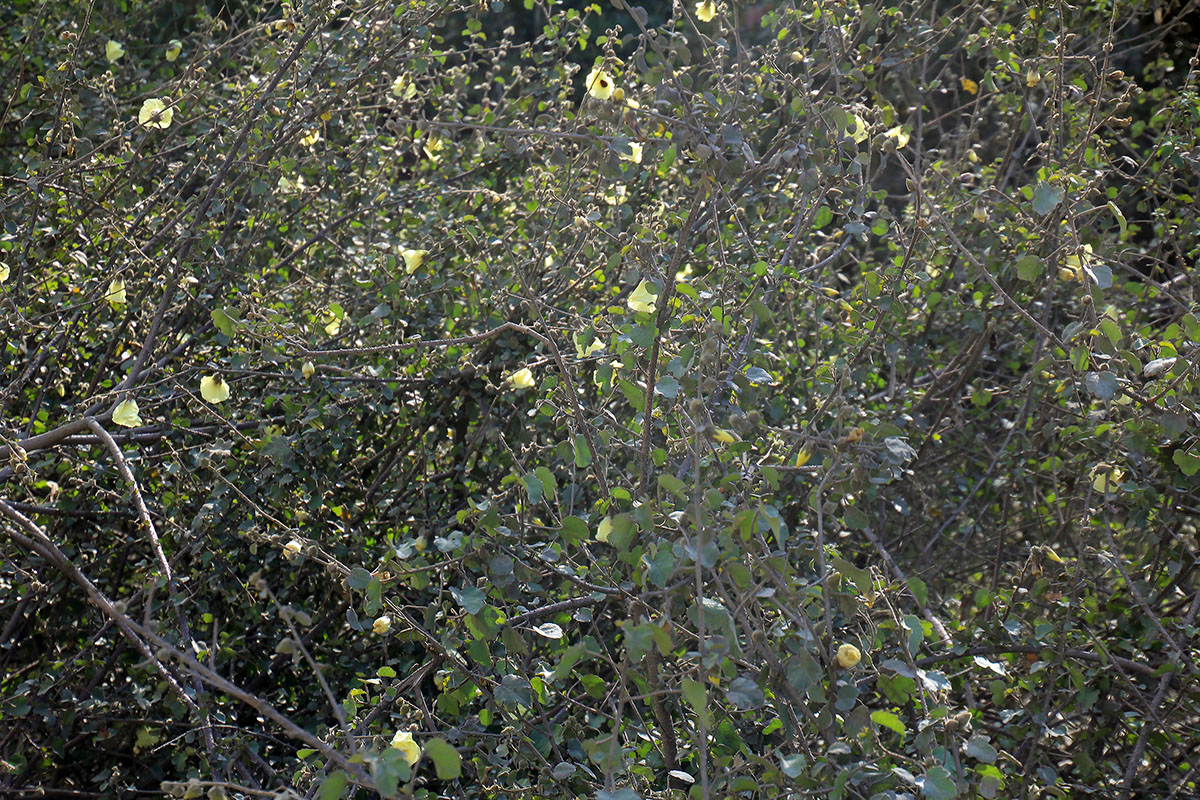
912 374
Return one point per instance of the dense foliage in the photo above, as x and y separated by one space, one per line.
547 399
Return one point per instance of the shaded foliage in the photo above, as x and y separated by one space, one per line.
455 399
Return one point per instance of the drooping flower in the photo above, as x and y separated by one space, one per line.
156 114
848 656
969 86
308 369
413 259
403 741
292 550
382 625
433 147
635 154
174 48
113 51
214 389
116 296
706 10
900 135
403 88
521 379
724 436
126 414
643 298
600 84
4 272
584 352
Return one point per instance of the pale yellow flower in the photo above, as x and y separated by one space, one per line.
643 298
156 114
584 352
403 741
403 88
291 550
382 625
900 135
706 10
848 656
116 296
174 48
413 259
214 389
4 272
113 51
521 379
635 154
723 435
126 414
308 369
433 147
600 84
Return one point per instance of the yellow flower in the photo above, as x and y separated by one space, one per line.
635 154
969 86
856 128
308 369
722 435
113 51
521 379
584 352
310 138
126 414
706 10
174 48
643 298
4 272
116 296
802 457
413 259
433 147
848 656
1106 478
156 114
600 84
214 389
382 625
403 741
403 88
291 550
1032 78
900 135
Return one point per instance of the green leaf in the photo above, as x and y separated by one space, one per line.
534 486
446 760
1046 198
938 784
574 529
890 721
979 748
1116 212
1188 464
583 455
697 697
1029 268
223 321
358 579
854 519
334 786
472 599
671 483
